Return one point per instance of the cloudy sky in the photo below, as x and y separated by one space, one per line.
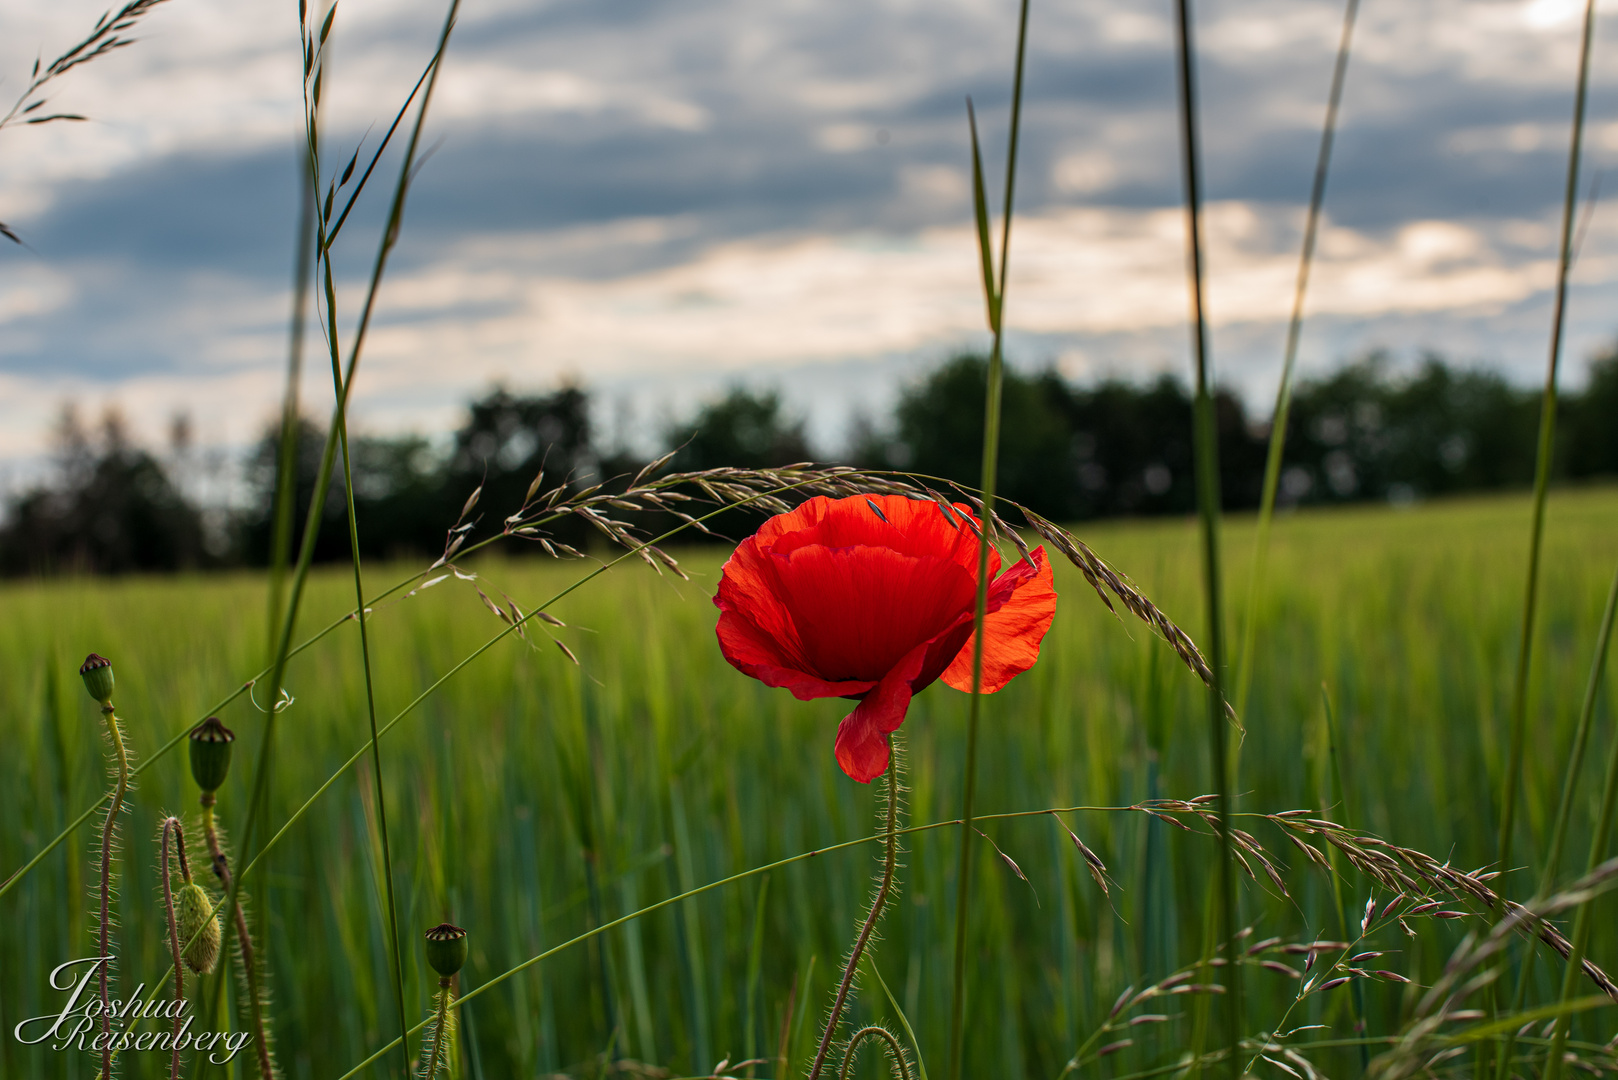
658 198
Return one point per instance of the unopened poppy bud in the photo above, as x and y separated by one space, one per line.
446 949
196 913
97 674
210 754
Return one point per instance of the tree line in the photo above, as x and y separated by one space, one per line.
1366 432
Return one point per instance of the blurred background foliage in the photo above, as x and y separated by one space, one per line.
1370 431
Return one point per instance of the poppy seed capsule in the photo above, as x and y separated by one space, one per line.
210 754
97 674
196 913
446 949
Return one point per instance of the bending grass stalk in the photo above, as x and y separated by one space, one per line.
1598 843
323 478
994 297
1542 461
171 825
109 842
890 860
1207 460
1283 393
340 391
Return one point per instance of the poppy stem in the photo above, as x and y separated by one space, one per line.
109 845
890 861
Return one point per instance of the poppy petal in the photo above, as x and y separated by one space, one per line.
753 652
1022 604
862 737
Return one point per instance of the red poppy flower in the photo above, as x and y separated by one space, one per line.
871 598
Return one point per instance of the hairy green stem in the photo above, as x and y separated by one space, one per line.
170 826
890 860
994 296
221 868
109 839
1598 843
440 1022
891 1044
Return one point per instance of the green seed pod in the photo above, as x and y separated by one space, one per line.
210 753
195 914
97 674
446 949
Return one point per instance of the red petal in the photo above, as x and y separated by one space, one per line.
908 526
862 737
1022 603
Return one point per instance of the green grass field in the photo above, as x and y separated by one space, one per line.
531 799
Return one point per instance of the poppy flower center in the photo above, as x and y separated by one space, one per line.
858 610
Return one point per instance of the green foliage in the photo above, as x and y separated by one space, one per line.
690 771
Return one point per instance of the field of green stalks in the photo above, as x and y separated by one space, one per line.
531 799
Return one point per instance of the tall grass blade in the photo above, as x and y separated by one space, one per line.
259 788
1542 474
1283 393
1338 803
1208 500
1542 461
991 454
1598 843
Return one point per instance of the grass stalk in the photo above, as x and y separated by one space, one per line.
1518 716
1208 508
1543 455
994 296
1339 800
1283 393
323 478
340 393
1603 834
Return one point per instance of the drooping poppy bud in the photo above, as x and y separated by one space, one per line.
196 913
210 754
97 674
446 949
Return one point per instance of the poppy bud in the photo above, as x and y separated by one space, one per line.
196 913
446 949
210 754
97 674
